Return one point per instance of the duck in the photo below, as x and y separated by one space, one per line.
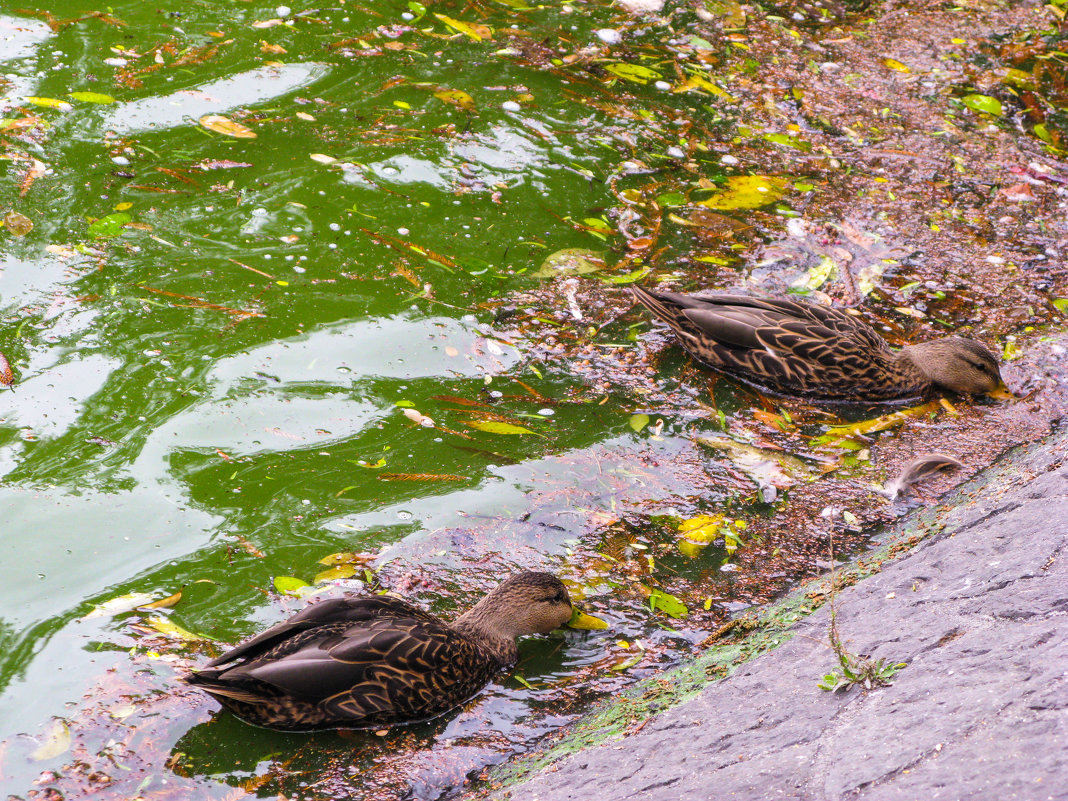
368 661
800 348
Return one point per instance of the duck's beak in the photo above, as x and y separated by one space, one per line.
1001 392
580 620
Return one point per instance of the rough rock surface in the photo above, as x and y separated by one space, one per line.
979 613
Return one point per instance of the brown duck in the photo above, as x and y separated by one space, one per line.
367 661
794 347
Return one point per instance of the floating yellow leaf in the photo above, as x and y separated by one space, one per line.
164 603
56 742
894 64
165 626
698 82
747 192
703 529
336 572
225 125
476 32
456 97
345 557
876 424
49 102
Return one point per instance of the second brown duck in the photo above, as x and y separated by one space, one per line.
795 347
372 660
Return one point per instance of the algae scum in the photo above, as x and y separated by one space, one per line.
298 301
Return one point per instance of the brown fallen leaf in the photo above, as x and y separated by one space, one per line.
919 469
421 477
7 378
17 224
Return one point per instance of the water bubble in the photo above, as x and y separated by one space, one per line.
609 35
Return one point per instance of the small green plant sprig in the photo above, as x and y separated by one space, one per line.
856 670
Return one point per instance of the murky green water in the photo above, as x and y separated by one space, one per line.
224 346
214 339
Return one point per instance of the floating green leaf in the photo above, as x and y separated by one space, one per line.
289 585
570 261
91 97
638 421
627 278
498 427
109 226
984 103
747 192
667 603
671 199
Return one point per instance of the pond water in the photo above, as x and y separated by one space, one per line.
266 243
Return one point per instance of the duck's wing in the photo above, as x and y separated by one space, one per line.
428 670
360 609
384 669
784 345
365 659
736 319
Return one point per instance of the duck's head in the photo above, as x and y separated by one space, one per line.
958 364
526 603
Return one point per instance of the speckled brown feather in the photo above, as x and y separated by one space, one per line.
793 347
356 662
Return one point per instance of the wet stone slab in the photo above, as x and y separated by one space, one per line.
978 612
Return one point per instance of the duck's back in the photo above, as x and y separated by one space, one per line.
349 662
787 346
